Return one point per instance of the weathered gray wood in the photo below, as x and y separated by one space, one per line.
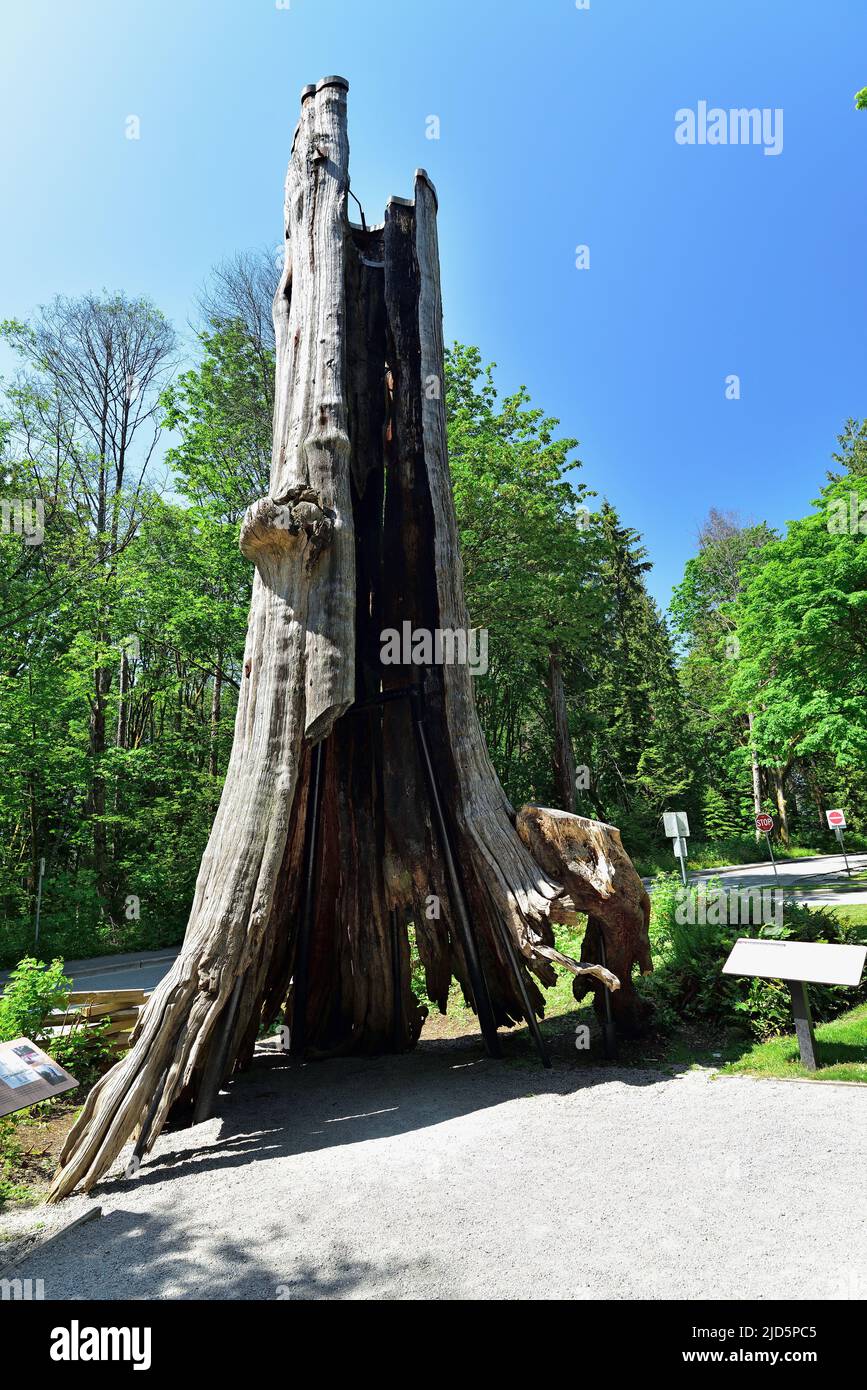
357 534
600 879
298 661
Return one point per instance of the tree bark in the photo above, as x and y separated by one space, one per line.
349 804
778 774
564 759
216 711
588 858
756 774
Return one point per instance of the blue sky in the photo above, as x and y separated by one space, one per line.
556 129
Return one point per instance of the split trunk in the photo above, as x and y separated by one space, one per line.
360 803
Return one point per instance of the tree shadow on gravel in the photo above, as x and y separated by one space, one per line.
132 1255
282 1108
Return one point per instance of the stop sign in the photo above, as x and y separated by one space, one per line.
836 819
764 822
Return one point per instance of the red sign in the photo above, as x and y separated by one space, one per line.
835 819
764 822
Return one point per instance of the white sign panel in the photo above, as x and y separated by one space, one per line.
676 824
836 819
815 962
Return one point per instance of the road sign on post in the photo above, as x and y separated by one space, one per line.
837 822
765 824
677 828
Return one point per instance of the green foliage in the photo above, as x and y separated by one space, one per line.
721 822
861 100
34 991
545 573
802 624
841 1050
122 635
688 986
11 1153
116 786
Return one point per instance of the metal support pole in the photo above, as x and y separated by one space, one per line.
300 973
609 1027
478 983
529 1011
396 981
842 843
803 1023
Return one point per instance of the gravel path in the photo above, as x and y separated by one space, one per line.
447 1175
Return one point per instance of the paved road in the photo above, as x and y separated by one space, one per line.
134 970
443 1174
820 880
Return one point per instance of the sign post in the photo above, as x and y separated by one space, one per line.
837 822
797 964
765 824
677 828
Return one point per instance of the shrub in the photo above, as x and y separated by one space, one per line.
35 991
688 985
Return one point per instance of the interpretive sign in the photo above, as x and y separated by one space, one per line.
28 1075
798 963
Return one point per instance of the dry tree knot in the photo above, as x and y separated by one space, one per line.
272 525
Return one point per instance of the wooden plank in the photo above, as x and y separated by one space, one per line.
120 1025
85 1015
108 996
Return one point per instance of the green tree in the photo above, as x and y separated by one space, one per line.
802 624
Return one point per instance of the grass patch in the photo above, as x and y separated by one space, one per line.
841 1051
855 917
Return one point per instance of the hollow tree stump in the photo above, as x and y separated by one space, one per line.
327 841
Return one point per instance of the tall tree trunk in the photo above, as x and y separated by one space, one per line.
357 792
122 698
216 710
97 745
757 775
564 760
778 775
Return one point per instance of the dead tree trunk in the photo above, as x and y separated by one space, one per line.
586 856
359 790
